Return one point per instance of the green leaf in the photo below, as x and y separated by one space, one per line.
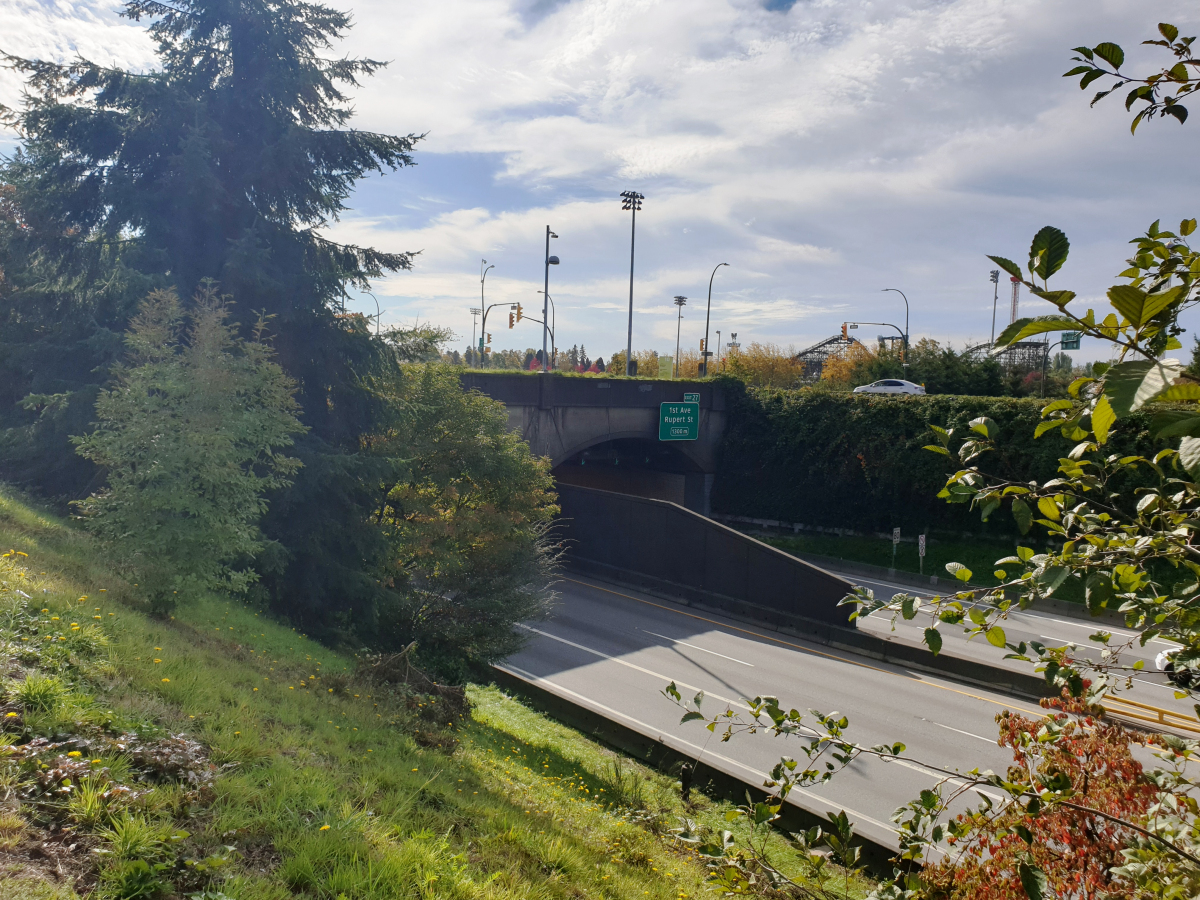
1139 307
933 640
936 449
1189 455
1084 51
1179 112
1022 514
959 571
1110 53
1048 508
1051 579
1058 298
1023 328
1130 385
1008 266
995 636
1103 419
1033 879
1187 226
691 717
1170 32
1042 427
1048 251
985 426
1175 423
1176 393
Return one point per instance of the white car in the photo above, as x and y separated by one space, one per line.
890 386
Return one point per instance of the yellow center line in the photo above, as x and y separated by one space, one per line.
1039 713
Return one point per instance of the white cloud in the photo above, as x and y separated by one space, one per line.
825 153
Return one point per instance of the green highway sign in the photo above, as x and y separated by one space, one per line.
1070 340
679 421
691 398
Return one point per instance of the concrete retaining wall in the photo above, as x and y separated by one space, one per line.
660 546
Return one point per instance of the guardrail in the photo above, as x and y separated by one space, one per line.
1145 714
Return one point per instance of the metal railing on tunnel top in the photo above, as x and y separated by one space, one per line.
1143 713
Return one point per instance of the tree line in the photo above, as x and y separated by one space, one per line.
170 307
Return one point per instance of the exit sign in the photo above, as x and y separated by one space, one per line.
691 398
679 421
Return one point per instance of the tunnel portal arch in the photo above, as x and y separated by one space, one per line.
639 466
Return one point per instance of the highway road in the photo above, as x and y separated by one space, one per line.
1149 686
613 650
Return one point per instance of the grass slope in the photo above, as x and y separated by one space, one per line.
221 754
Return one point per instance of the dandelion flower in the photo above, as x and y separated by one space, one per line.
74 754
158 660
323 828
166 680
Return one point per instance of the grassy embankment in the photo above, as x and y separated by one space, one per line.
260 768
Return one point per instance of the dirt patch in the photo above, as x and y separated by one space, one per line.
61 858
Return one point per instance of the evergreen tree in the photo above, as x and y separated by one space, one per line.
182 503
224 163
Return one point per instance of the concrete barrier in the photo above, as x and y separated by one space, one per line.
660 546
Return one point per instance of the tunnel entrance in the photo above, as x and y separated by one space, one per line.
639 467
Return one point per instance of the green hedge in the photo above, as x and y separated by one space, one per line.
855 460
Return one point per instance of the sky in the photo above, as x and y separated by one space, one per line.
825 150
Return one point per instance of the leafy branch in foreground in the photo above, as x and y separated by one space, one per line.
1059 820
1105 60
1123 529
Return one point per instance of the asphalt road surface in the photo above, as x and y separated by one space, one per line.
1149 686
614 651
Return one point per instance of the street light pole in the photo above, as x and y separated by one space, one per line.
632 201
474 312
550 261
553 325
995 276
905 341
378 313
1044 359
679 302
718 343
708 312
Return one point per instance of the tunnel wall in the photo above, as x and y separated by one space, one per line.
664 548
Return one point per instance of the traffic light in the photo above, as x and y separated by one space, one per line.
845 334
511 320
519 312
489 340
701 346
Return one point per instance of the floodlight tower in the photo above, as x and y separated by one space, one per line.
1016 298
632 201
679 302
